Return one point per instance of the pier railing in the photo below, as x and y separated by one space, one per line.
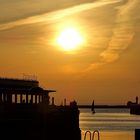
91 135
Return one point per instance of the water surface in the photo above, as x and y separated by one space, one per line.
113 124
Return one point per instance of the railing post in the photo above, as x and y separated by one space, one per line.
96 131
92 138
86 135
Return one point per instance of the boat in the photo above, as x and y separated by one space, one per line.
92 107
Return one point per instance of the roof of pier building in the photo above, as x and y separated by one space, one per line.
22 86
18 83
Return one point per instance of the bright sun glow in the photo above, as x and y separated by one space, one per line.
69 39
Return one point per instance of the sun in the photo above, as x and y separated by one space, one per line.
69 39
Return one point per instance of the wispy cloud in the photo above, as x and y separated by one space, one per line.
122 35
53 16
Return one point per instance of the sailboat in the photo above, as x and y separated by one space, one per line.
92 107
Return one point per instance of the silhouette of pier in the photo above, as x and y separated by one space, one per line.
26 113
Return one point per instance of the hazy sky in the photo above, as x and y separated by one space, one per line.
106 67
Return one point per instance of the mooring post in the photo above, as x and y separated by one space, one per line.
137 134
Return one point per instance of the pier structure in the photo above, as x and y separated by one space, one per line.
137 134
14 91
26 113
134 107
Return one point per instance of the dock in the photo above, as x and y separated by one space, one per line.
26 113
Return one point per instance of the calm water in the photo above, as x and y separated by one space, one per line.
110 122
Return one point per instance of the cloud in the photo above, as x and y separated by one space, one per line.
122 34
55 15
93 67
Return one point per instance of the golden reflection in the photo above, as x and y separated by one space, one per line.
70 39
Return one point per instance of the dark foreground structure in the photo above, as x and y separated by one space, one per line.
134 107
137 134
26 113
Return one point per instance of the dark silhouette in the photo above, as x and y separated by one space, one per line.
92 107
129 103
134 107
65 102
137 99
33 117
53 101
137 134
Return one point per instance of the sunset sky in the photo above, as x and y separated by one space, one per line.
102 63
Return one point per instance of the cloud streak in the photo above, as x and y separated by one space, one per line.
122 36
123 33
56 15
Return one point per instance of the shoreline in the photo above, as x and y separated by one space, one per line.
103 106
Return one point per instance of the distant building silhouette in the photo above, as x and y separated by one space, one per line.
134 106
137 99
133 103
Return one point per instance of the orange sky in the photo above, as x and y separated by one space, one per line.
106 67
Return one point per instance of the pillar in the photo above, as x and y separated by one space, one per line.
31 98
45 98
20 98
27 98
35 98
15 98
39 99
65 102
136 99
52 100
9 98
